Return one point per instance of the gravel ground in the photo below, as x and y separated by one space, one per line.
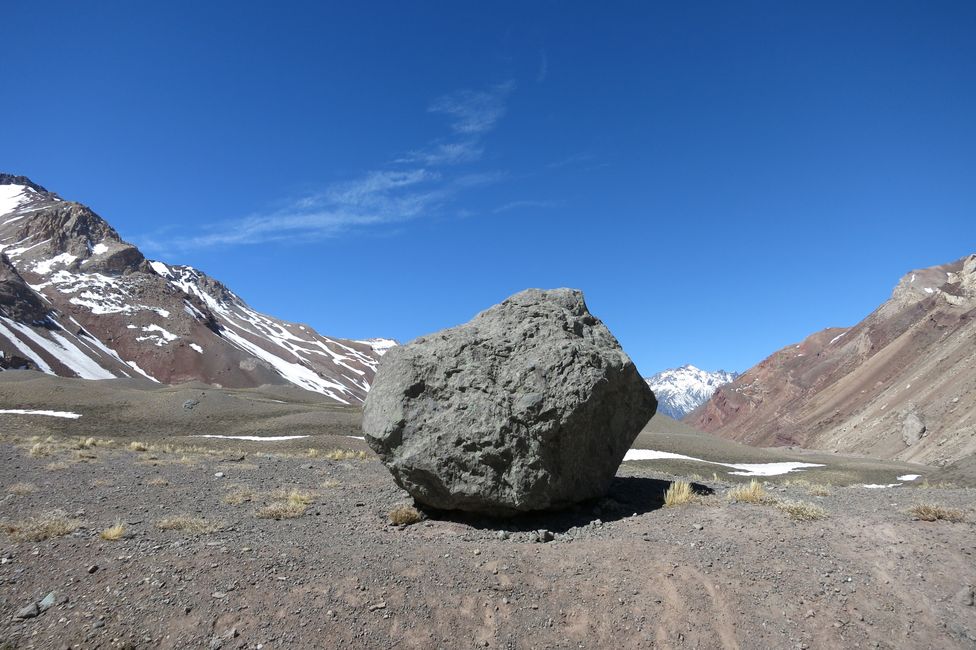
625 572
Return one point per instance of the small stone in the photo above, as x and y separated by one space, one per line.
93 568
30 611
98 624
189 404
503 535
477 551
219 594
219 475
545 535
47 602
380 605
965 596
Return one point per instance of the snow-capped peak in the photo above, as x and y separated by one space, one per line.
680 391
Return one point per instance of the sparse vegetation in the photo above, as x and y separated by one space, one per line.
290 505
818 490
158 481
138 446
751 493
57 466
678 493
936 512
187 524
113 533
20 489
54 523
801 510
339 454
41 449
331 483
405 516
239 495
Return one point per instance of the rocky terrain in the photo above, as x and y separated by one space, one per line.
900 384
680 391
166 540
78 301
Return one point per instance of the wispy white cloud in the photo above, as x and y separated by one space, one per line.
424 184
445 153
474 111
525 204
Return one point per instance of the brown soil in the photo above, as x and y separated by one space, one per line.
625 572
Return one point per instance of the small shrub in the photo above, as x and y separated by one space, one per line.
291 505
238 495
752 493
114 532
41 449
818 490
678 493
187 524
801 510
54 523
138 446
936 512
20 489
339 454
405 516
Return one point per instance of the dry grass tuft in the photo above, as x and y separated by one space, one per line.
159 481
57 466
20 489
135 445
678 493
113 533
54 523
290 505
102 483
818 490
41 449
936 512
941 485
339 454
331 483
752 493
801 510
187 524
405 516
239 495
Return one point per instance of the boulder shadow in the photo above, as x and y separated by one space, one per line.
628 496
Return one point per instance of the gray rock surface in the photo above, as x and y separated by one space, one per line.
529 406
912 429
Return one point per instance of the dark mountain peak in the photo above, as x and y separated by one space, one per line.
12 179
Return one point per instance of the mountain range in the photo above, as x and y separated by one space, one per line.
77 300
900 384
680 391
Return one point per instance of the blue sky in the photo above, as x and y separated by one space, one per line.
721 179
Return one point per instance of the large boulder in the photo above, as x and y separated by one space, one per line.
530 406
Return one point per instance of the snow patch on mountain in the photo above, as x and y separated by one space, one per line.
680 391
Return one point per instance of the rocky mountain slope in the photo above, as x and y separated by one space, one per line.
680 391
78 301
900 384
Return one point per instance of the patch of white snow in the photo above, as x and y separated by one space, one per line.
53 414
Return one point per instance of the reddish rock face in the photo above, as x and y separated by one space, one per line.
78 301
911 363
